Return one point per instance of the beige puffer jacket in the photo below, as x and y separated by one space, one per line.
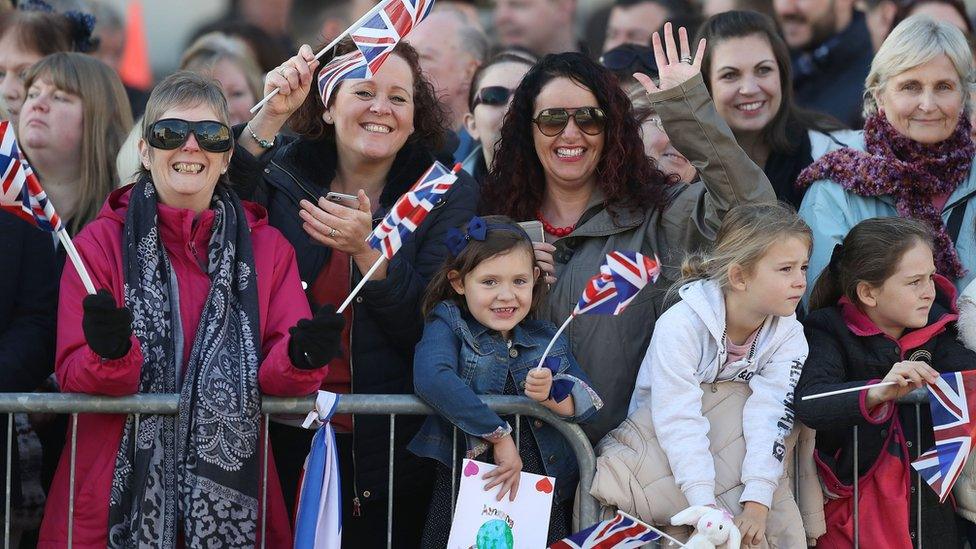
633 475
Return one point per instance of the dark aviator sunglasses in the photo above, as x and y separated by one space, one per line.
589 120
172 133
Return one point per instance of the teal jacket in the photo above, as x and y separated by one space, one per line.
831 211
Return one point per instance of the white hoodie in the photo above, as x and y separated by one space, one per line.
688 349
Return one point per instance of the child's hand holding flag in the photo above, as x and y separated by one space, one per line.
621 277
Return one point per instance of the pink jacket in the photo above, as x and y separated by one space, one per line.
80 370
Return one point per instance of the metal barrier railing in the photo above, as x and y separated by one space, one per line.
392 405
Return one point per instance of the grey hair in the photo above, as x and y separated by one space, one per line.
916 41
472 39
185 88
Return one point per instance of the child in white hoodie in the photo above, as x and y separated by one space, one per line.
735 322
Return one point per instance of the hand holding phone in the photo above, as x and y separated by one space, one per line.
347 200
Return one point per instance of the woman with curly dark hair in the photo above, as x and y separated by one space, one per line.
370 138
571 156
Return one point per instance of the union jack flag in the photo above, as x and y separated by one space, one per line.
619 532
951 399
377 37
350 65
409 211
622 275
20 191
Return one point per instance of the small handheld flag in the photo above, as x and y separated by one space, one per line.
21 194
621 277
407 213
350 65
952 399
622 531
375 34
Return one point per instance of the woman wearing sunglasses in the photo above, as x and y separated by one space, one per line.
575 161
491 89
370 138
199 296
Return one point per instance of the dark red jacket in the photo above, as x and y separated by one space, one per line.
281 304
847 349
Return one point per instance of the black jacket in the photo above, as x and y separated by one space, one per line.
841 358
28 306
829 77
387 323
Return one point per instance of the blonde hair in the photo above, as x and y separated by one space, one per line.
745 236
916 41
106 119
212 48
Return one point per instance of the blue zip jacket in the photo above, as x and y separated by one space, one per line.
458 359
832 211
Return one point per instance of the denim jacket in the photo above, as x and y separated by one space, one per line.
458 359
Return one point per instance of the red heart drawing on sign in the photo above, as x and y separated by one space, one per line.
544 485
471 469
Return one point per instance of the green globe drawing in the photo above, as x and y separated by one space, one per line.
494 534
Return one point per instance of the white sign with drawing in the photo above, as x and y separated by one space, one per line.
482 522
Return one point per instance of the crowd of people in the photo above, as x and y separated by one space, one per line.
801 172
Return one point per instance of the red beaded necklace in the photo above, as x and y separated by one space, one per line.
555 231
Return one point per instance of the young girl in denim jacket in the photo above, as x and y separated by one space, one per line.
879 312
478 340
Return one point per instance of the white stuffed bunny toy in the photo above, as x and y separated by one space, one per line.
713 527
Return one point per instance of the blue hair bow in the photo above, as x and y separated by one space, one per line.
457 240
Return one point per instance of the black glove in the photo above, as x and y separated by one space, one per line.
107 327
314 343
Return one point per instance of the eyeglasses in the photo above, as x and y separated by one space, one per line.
172 133
492 95
589 120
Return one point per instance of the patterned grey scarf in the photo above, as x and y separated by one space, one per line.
196 471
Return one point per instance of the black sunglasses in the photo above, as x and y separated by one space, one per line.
172 133
589 120
492 95
632 58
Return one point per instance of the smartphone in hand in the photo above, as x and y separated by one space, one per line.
346 200
534 230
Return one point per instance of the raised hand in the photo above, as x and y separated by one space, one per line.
294 80
674 66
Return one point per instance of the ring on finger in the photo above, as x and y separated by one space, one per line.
686 59
333 232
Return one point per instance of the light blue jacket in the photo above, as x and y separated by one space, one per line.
831 211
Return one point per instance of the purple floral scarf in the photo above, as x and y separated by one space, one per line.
910 172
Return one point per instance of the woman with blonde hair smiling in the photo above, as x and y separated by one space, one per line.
916 156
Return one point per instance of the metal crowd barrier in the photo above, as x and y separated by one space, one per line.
392 405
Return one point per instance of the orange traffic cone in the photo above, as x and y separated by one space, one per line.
134 67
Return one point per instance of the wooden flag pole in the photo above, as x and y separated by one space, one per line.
553 341
362 283
75 258
849 390
322 51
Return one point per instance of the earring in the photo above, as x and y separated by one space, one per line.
224 170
